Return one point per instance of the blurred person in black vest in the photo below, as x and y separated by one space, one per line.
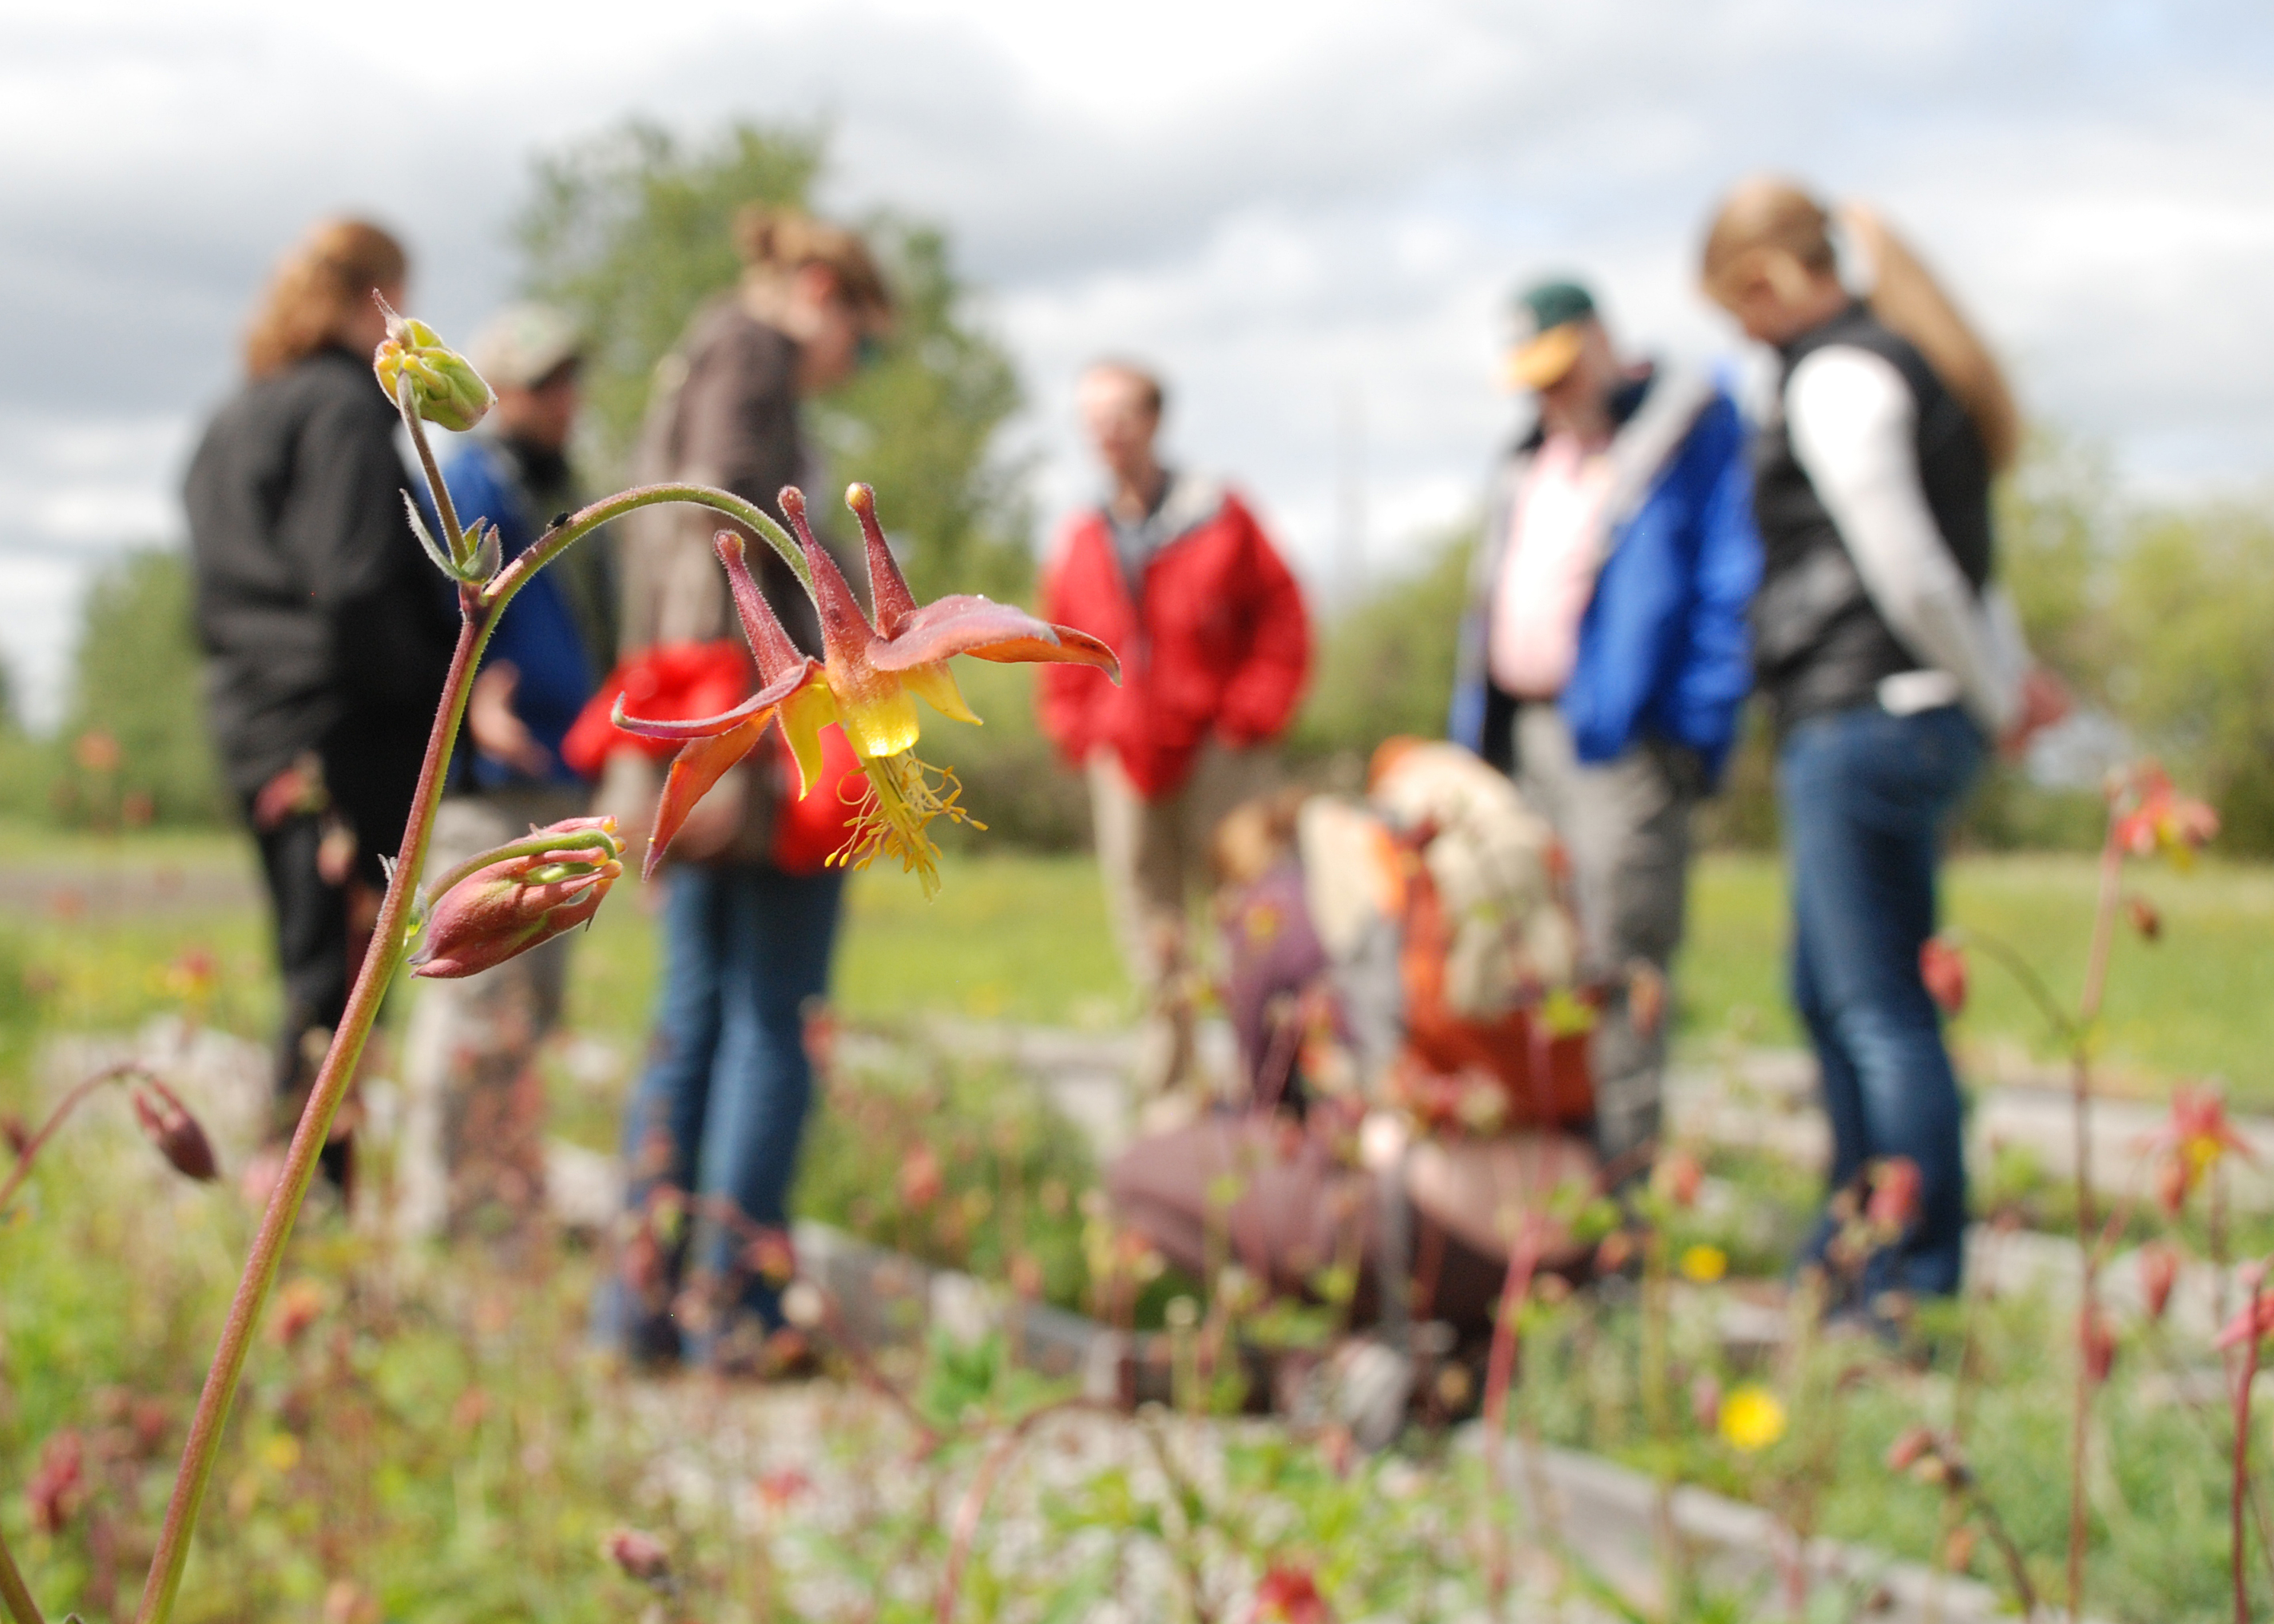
326 644
1891 662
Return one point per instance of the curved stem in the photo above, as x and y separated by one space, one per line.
308 1139
549 546
69 1102
2064 1026
453 539
973 1506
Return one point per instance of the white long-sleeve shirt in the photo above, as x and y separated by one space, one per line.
1851 418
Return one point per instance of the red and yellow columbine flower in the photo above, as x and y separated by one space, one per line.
2157 817
2193 1140
870 677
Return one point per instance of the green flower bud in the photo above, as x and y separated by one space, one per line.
445 388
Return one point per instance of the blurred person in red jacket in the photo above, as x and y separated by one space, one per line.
1173 570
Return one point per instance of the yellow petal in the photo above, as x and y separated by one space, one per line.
804 715
935 685
880 721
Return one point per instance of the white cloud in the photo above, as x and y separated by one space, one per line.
1291 208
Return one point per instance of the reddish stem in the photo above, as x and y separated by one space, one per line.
15 1592
69 1103
2096 983
2242 1456
974 1505
308 1140
1523 1257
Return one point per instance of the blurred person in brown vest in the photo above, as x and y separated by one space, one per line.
749 916
326 642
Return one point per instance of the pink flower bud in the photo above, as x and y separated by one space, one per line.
1914 1444
175 1131
2159 1271
641 1556
1896 1185
1289 1594
57 1485
2097 1344
2250 1326
1678 1177
1942 966
921 1179
505 908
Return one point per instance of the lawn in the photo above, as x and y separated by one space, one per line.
1013 936
431 1442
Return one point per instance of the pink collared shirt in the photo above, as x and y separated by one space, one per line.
1547 567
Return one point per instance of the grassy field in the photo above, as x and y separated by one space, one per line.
93 928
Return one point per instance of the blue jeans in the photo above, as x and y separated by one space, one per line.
720 1109
1865 797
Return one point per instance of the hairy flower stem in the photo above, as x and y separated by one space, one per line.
479 611
308 1140
556 540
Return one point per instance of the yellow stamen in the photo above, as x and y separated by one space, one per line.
905 794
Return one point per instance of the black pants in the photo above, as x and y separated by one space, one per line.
371 775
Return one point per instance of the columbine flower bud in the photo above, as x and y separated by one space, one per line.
175 1131
640 1555
445 388
505 908
2159 1273
1942 967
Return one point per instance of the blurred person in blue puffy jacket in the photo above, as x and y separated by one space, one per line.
473 1153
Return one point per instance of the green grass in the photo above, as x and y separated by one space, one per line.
1023 937
2198 1002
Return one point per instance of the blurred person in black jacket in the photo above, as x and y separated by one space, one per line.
326 642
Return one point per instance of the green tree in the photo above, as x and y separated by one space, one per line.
1384 666
136 681
630 229
2194 606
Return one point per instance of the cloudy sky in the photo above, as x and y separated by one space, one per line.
1310 213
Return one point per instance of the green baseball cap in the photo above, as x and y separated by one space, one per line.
1546 339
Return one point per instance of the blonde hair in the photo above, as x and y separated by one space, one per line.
778 243
315 285
1768 216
